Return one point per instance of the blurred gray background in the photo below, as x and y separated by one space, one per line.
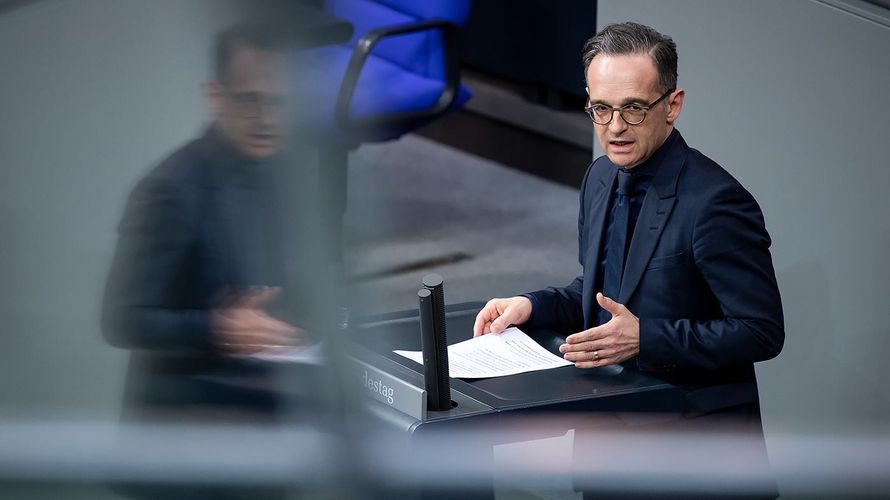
790 97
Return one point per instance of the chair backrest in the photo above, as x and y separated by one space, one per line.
419 53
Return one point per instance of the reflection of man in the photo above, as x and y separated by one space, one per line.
678 280
199 257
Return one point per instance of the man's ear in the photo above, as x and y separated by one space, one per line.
213 94
675 105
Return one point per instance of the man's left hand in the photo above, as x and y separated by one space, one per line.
607 344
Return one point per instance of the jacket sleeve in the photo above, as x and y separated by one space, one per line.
731 251
143 306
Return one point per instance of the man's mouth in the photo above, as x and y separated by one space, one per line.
621 147
263 137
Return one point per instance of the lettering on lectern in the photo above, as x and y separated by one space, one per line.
377 386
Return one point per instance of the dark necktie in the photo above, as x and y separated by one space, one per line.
617 244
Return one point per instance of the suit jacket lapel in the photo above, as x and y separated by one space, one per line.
598 213
654 215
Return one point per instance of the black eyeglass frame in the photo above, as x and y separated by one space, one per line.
251 105
620 110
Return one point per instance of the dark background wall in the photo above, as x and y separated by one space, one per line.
517 41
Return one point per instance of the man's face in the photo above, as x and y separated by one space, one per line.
619 80
249 102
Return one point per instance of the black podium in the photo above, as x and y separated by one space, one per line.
397 382
391 391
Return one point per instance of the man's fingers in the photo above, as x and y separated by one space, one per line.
593 359
604 344
268 323
272 339
500 324
483 320
253 320
592 355
486 328
588 335
612 307
491 320
498 314
245 329
509 317
577 338
590 345
268 337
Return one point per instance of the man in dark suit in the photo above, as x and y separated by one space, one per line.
207 263
202 254
678 280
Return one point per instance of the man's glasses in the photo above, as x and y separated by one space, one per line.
632 114
254 104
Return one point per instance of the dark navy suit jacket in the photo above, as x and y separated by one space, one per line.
204 221
698 275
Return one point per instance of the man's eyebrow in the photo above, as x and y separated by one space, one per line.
625 102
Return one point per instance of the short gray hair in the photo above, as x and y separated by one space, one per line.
633 38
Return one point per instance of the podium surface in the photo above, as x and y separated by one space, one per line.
558 390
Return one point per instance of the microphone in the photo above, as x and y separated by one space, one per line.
435 343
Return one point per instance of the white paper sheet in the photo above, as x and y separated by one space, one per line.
495 355
306 354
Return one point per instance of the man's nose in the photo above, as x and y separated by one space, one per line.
617 124
268 114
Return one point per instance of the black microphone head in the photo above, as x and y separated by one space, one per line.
432 280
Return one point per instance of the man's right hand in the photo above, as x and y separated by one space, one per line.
241 326
498 314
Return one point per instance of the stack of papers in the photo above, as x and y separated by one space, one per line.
312 354
495 355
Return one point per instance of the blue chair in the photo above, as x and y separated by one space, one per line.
399 72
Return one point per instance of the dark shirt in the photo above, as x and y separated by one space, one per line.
247 185
643 175
644 172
